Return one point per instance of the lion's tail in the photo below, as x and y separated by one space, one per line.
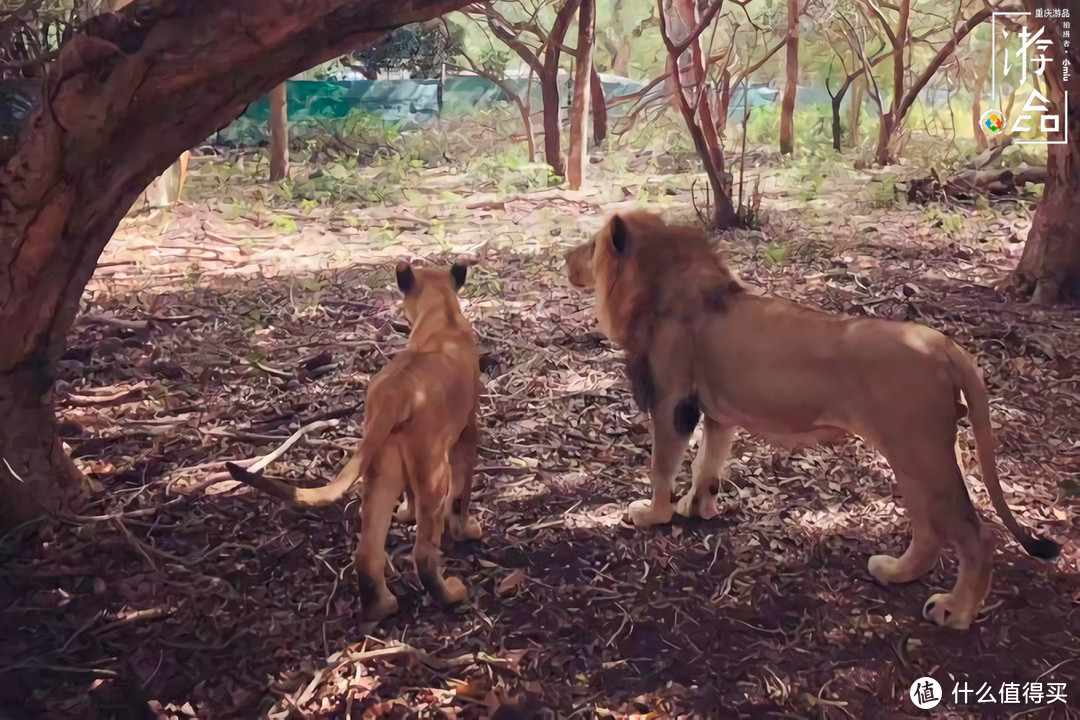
967 376
374 439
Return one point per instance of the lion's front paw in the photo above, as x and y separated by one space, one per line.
942 609
702 506
643 513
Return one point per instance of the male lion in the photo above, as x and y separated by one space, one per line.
698 343
419 436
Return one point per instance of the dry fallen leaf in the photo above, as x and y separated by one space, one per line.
510 581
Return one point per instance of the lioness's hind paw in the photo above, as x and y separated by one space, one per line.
455 591
464 528
882 567
472 529
691 505
941 609
643 513
381 608
406 513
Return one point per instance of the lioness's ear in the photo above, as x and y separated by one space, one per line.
405 278
458 271
620 235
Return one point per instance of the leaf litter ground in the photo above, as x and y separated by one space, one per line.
210 336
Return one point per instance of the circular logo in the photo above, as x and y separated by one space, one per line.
925 693
992 122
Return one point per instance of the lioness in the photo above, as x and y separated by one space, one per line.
419 436
698 343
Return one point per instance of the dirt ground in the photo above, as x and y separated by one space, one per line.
210 336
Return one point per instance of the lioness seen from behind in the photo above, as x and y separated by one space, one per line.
698 343
420 437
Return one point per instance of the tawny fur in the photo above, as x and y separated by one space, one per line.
419 438
698 343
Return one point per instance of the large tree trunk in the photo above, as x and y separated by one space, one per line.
1050 265
279 133
579 106
36 475
787 110
126 96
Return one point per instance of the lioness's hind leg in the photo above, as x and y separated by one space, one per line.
462 465
382 487
431 508
708 468
974 546
919 557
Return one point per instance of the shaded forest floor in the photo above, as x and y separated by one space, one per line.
212 334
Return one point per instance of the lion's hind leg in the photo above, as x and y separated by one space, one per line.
941 513
383 484
432 497
708 469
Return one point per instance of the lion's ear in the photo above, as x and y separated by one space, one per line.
620 236
405 278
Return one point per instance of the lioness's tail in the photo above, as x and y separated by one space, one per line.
966 375
381 426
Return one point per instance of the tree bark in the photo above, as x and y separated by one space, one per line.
856 110
976 102
599 107
547 74
1050 266
579 107
706 142
279 133
125 97
787 110
549 94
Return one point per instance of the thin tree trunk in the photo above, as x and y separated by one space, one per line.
891 118
522 105
549 87
579 107
856 111
1050 265
695 72
599 107
787 110
279 133
549 93
976 103
124 99
712 158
